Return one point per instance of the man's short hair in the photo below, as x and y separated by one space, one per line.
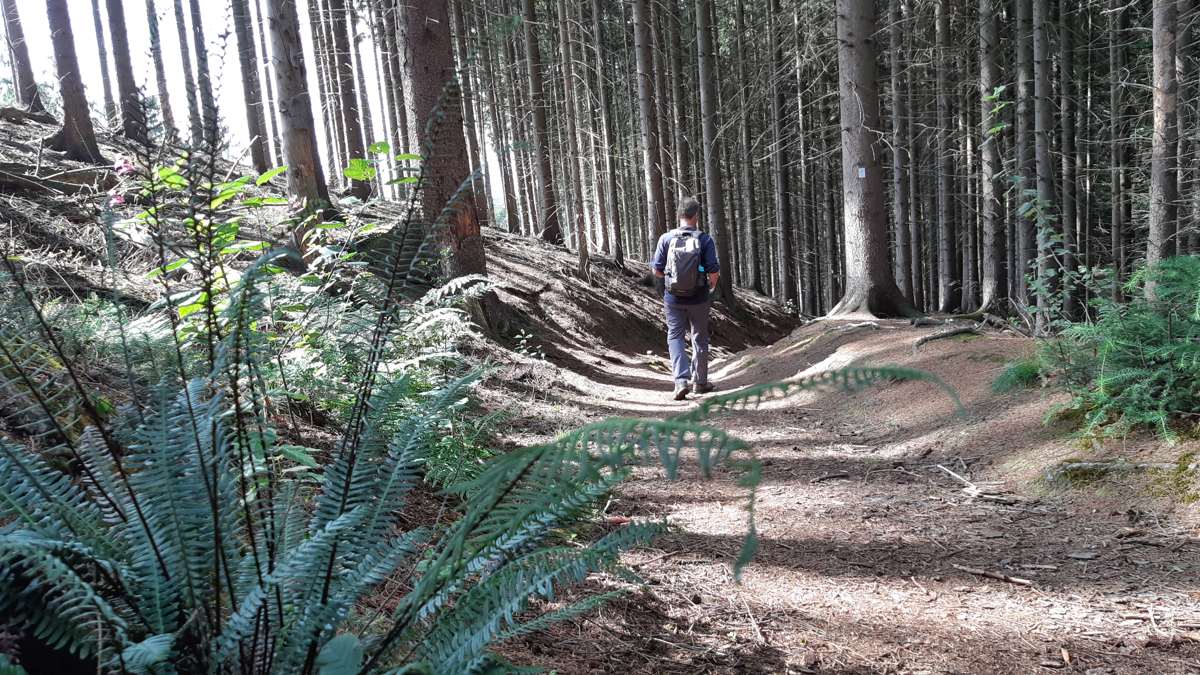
689 208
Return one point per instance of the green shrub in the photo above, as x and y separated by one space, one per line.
1138 364
1020 374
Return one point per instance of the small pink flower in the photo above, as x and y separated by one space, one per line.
115 199
123 166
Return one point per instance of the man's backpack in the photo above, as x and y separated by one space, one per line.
685 258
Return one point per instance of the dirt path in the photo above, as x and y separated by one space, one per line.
864 537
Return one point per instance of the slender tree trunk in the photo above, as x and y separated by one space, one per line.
160 72
949 289
870 287
900 152
786 269
208 103
1043 124
251 91
348 105
1116 63
24 85
110 106
713 182
662 103
683 148
915 228
1066 109
574 170
745 165
548 226
1023 222
994 286
648 119
133 118
195 121
77 138
306 180
606 133
271 110
430 60
1164 189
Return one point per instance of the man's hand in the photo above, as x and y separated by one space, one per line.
713 277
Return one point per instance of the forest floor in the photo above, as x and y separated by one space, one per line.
864 532
866 537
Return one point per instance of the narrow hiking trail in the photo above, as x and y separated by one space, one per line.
867 542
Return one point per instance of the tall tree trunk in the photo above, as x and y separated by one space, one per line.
306 180
160 72
25 86
915 228
348 105
745 165
1043 125
195 121
949 289
77 137
647 116
1116 62
1066 108
270 108
1025 167
548 226
900 154
870 287
133 118
110 106
606 134
208 103
471 127
713 181
574 170
994 286
786 268
251 90
1164 188
662 99
430 62
682 149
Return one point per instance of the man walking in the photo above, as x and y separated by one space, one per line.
686 260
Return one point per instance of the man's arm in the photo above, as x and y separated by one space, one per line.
659 263
712 265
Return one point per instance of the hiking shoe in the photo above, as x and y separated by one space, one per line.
681 391
704 388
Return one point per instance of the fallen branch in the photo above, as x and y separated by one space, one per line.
1067 471
950 332
829 476
992 575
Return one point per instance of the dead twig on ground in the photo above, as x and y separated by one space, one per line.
999 576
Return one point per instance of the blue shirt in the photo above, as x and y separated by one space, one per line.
708 263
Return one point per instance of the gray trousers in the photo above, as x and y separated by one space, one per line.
683 320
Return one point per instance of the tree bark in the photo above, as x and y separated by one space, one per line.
77 138
208 103
251 89
110 106
870 288
430 70
195 121
133 118
25 86
307 191
1025 168
270 108
606 134
348 103
656 219
574 170
786 269
1043 124
1164 188
1116 62
900 154
994 286
949 284
160 72
713 181
548 226
1066 109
